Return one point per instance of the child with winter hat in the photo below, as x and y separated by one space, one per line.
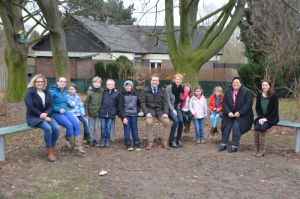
129 107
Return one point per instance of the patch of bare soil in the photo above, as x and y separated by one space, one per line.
194 171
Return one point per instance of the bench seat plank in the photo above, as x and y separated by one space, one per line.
288 124
13 129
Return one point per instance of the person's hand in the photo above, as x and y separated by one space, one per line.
237 114
218 109
87 117
195 115
149 115
48 119
165 115
116 117
214 109
82 115
62 111
205 117
43 115
187 88
125 121
175 112
262 121
230 114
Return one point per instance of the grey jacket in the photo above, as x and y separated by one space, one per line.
171 98
129 104
158 106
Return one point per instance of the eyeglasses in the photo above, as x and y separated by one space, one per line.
110 84
39 82
62 81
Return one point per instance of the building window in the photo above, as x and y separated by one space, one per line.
155 64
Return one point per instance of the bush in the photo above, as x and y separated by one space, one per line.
99 69
125 67
112 70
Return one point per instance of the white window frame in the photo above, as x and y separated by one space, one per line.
156 61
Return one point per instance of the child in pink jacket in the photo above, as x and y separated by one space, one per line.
184 107
198 107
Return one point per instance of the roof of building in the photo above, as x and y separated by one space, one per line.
70 54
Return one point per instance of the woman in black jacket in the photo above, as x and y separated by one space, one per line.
237 114
39 109
267 116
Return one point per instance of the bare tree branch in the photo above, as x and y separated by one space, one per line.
156 35
39 38
32 28
290 6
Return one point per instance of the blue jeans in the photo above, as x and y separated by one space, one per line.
106 124
84 122
96 124
51 131
132 124
199 128
236 133
178 121
69 121
214 118
190 116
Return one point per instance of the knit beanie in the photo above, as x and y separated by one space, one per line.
128 82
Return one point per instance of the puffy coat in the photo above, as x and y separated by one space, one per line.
59 98
93 101
198 107
171 98
109 107
129 103
158 105
243 105
35 106
272 111
75 105
212 104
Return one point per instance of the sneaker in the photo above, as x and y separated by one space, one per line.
129 147
137 147
88 144
107 143
87 137
102 143
202 141
198 141
95 143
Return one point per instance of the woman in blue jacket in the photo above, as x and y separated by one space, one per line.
39 112
62 116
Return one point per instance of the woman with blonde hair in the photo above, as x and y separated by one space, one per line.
39 112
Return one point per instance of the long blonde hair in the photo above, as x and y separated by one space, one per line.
218 88
32 81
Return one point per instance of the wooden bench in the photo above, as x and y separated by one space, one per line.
25 127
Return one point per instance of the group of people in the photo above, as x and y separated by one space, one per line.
47 109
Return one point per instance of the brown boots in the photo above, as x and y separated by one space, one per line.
260 144
213 131
76 143
187 128
50 155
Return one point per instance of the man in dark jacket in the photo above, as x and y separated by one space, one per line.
154 103
237 114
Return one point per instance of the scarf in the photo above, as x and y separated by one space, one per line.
176 91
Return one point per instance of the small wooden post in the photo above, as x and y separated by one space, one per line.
2 149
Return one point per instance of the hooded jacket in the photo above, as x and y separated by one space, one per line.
93 101
110 108
35 106
59 98
75 105
129 103
243 105
198 107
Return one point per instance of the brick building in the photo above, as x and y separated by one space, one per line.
109 42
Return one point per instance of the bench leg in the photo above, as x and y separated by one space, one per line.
112 133
297 147
2 149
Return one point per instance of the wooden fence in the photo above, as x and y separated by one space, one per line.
3 78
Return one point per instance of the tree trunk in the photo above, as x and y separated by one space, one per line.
53 17
15 53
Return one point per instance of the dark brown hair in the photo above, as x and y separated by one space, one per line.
73 85
270 91
61 77
154 75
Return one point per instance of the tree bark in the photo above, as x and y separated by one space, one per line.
53 17
15 52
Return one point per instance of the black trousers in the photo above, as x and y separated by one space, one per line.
262 128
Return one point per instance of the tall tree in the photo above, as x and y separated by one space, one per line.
15 52
110 11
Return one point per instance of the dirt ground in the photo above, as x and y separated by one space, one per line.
194 171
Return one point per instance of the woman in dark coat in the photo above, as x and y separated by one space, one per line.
39 112
267 116
237 114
